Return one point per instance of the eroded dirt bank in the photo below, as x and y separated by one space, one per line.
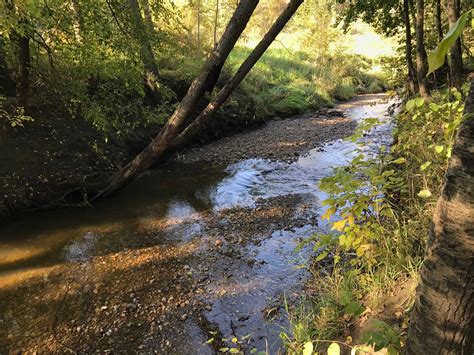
189 260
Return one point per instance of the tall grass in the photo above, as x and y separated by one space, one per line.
284 83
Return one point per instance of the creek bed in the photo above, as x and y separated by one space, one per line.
191 258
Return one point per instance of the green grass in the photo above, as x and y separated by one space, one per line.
285 83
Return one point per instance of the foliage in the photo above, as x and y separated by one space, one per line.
382 336
15 117
437 58
379 211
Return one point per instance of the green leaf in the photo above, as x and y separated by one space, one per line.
424 166
234 351
321 256
439 148
419 102
434 107
308 348
424 193
399 161
437 57
224 350
334 349
354 309
410 105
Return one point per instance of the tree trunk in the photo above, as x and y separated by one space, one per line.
198 4
456 64
7 84
196 91
439 23
442 321
421 57
216 22
24 60
152 95
147 13
199 123
412 82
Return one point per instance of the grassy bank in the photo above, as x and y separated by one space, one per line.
366 268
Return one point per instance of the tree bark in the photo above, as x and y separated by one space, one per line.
147 13
412 81
196 91
456 65
200 122
7 84
439 23
198 4
421 57
24 60
442 321
216 22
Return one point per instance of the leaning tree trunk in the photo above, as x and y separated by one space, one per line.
199 123
456 65
204 81
421 57
442 321
412 82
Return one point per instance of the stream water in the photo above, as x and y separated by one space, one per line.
175 207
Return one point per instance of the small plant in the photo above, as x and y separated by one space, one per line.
17 118
382 336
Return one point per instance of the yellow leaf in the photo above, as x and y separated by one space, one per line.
308 348
350 220
334 349
339 225
329 212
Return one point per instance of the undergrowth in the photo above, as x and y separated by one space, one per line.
108 92
379 209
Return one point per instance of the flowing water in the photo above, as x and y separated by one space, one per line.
175 207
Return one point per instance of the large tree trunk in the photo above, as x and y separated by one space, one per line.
199 123
442 321
421 57
24 60
412 82
7 84
152 95
196 91
456 64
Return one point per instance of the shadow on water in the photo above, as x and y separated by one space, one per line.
175 208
